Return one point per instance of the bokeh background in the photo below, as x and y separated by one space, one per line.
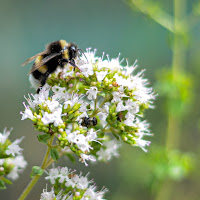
113 27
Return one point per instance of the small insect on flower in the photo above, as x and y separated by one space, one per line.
120 116
56 54
89 121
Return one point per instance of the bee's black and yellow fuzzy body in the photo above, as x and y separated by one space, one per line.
56 54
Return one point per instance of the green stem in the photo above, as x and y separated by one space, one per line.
105 100
36 177
96 110
178 63
104 129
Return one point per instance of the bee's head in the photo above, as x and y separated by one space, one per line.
73 51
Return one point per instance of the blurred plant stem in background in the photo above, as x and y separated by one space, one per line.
174 84
178 65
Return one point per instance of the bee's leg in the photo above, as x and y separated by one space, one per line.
62 61
38 90
43 81
71 62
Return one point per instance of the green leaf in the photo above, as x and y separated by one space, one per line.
54 154
2 185
6 180
44 138
36 170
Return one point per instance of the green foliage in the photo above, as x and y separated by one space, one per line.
4 180
170 164
3 148
54 154
196 8
36 170
44 138
177 91
2 185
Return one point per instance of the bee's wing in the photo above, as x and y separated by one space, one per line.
43 62
33 57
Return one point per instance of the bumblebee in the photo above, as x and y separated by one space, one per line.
89 121
56 54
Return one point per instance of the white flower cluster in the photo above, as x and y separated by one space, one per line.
85 109
11 159
51 195
129 92
80 187
51 107
132 92
45 110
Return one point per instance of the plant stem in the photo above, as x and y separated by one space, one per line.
36 177
178 63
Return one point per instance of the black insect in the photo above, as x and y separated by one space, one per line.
89 121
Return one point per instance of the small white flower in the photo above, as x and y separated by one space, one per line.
19 164
86 69
129 119
4 136
47 195
64 172
27 113
91 135
80 181
101 75
73 99
60 93
128 70
54 117
14 148
13 174
90 55
120 107
142 131
84 157
53 175
82 143
52 105
102 116
117 97
71 137
92 93
111 149
57 116
90 192
120 80
47 118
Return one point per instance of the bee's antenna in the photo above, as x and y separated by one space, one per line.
83 53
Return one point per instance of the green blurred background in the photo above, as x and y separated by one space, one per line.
110 26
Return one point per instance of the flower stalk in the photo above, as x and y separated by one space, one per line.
37 177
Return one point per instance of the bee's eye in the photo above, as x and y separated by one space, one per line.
73 48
